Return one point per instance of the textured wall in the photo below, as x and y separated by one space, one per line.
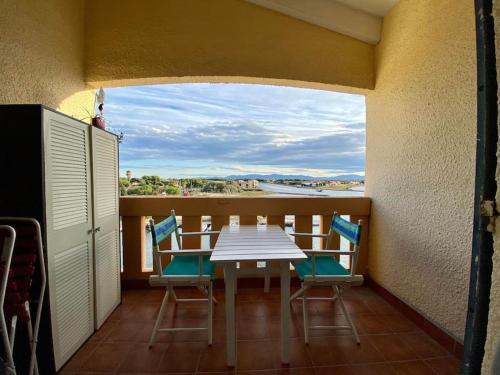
493 334
42 44
169 40
421 127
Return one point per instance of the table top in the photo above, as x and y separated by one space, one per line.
254 243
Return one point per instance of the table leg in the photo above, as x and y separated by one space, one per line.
285 312
229 279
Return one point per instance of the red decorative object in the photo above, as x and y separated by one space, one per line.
98 121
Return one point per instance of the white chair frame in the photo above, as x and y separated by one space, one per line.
7 338
337 282
31 330
200 281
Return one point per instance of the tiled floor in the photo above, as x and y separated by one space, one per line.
390 344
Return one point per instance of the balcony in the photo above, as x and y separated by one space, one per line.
134 211
390 342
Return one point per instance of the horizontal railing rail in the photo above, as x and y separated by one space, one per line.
134 211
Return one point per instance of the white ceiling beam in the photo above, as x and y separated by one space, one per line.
330 15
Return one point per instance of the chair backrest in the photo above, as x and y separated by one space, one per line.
23 271
159 232
349 231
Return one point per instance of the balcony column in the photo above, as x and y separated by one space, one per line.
362 267
303 224
134 244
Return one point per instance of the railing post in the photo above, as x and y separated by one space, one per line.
134 243
362 267
248 220
276 220
191 224
303 224
217 223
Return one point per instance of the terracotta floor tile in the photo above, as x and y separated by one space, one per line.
323 352
368 369
444 366
142 359
297 371
346 346
296 327
378 305
256 355
127 331
392 347
107 357
120 346
371 324
333 370
105 330
81 356
213 358
412 368
252 328
299 354
181 357
424 346
399 324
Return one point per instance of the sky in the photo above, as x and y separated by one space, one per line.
215 129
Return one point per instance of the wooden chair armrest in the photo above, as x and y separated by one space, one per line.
310 235
192 234
185 252
327 252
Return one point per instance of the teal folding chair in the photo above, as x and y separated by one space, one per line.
186 268
322 269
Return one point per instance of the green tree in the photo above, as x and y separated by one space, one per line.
171 190
124 182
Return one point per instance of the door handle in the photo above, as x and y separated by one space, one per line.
90 231
98 229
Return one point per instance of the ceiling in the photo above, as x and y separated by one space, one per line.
375 7
360 19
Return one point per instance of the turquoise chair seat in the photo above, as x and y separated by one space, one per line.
188 265
325 266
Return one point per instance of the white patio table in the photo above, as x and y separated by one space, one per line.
255 243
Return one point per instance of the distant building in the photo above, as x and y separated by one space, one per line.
248 184
129 175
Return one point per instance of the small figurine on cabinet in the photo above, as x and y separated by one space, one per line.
98 120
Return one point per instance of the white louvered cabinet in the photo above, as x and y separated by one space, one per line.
64 173
69 228
106 224
82 226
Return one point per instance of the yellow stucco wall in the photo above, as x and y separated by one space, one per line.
420 157
133 42
42 54
493 334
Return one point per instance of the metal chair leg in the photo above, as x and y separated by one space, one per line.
305 313
173 296
33 369
267 279
347 315
210 313
159 319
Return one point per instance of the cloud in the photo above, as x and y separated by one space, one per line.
177 129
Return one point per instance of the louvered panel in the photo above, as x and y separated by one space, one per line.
107 275
105 176
73 297
68 165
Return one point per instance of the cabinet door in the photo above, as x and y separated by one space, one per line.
106 223
68 199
